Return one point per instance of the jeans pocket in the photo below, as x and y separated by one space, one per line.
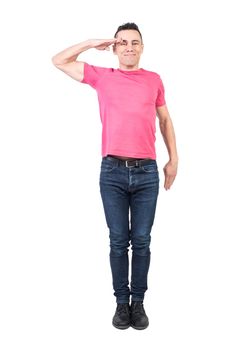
108 166
150 168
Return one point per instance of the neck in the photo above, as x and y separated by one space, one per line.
123 67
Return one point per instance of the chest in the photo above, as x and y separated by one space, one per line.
127 91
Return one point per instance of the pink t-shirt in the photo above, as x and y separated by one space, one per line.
127 103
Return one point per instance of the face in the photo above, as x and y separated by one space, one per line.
128 48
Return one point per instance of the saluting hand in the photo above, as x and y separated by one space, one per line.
103 44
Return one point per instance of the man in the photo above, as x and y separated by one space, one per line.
130 98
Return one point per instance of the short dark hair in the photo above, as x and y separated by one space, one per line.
126 26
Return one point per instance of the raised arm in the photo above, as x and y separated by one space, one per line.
66 59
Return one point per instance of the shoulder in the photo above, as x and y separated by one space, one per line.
152 74
153 77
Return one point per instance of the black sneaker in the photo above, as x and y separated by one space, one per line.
139 319
121 317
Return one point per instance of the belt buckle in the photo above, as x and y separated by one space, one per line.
131 166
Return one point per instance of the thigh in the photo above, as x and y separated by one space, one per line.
143 201
115 198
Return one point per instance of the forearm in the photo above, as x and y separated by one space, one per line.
167 131
71 53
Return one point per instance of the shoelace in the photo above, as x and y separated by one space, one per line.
123 308
138 309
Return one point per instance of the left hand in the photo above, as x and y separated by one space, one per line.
170 171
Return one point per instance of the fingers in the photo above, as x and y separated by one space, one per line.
169 178
103 44
109 41
168 181
119 40
170 171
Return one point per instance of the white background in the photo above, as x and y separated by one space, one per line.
56 290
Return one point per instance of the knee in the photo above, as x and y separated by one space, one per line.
141 245
118 246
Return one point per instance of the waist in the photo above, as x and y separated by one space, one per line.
129 162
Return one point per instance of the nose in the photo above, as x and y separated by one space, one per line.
129 47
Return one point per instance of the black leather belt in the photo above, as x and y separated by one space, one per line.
130 163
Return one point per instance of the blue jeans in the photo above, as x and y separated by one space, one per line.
129 196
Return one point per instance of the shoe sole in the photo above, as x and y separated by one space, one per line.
139 328
120 327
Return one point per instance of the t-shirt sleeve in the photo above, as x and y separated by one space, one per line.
92 74
160 100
